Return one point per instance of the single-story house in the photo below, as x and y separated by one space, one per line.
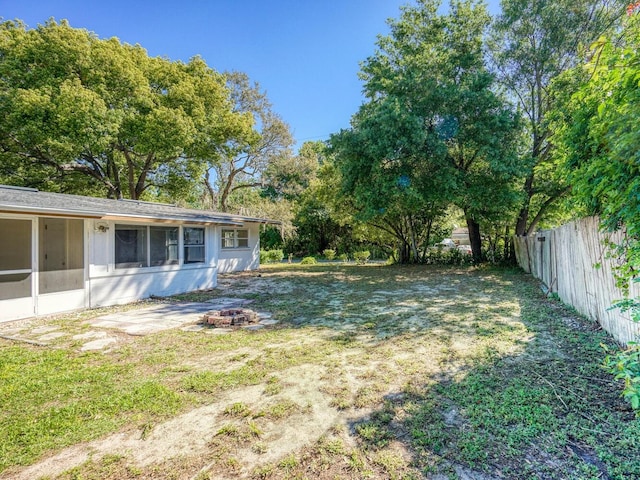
65 252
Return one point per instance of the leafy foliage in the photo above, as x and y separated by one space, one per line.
361 257
271 256
600 143
261 160
325 220
433 132
329 253
625 365
532 44
441 256
104 116
598 136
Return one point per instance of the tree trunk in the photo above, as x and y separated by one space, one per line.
509 252
115 189
523 216
425 245
474 239
404 252
415 257
209 190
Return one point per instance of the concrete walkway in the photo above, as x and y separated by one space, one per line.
155 318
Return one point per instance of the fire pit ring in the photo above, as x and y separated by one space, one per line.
231 317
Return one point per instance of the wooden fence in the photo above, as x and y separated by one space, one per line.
565 260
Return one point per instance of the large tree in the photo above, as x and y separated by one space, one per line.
387 177
107 115
252 161
433 132
534 41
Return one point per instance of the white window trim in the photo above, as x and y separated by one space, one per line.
169 266
184 246
236 239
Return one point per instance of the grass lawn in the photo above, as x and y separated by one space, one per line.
372 372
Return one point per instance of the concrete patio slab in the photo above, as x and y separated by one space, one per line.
45 329
268 321
229 302
144 321
98 344
153 319
164 316
51 336
89 335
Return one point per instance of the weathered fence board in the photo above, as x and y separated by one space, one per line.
572 261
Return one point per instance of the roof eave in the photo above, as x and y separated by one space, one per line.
69 212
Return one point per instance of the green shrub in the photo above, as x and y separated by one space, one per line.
308 261
271 256
361 257
625 365
329 254
447 256
343 257
276 255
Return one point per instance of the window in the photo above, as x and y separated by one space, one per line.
235 238
131 246
242 238
228 238
138 246
193 245
163 246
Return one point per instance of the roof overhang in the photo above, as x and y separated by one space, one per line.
74 213
29 201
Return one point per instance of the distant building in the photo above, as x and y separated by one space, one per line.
460 236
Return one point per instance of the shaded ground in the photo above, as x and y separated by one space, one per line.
371 372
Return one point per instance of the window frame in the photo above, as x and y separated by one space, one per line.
17 271
235 238
170 244
61 259
179 245
193 246
144 262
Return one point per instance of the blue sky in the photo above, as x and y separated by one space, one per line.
304 53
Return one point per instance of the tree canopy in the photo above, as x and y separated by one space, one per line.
532 44
495 120
433 132
105 116
598 140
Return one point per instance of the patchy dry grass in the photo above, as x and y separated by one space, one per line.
373 372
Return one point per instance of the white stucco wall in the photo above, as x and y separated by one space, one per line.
109 285
240 259
130 287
